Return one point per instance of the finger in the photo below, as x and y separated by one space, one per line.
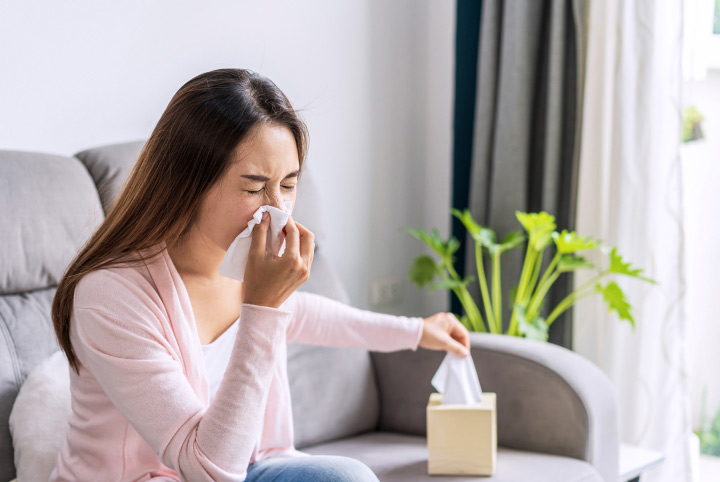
308 261
307 244
457 348
258 244
292 236
460 333
303 230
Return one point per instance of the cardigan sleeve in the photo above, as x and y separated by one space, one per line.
124 349
317 320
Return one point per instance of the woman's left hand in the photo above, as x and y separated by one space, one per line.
443 331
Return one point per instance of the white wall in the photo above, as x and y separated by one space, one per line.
374 80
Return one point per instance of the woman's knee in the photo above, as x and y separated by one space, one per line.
332 468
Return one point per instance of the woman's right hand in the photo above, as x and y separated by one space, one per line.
269 279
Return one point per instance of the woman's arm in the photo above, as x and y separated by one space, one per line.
128 354
317 320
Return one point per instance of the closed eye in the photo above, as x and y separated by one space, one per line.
289 188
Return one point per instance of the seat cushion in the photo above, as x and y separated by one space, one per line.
400 457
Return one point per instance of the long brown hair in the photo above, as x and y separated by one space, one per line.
187 152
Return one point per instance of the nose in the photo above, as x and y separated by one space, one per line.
274 199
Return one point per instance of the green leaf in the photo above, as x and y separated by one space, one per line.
618 267
449 284
539 227
616 301
512 240
542 241
423 270
433 242
452 245
536 223
482 235
571 263
571 242
535 329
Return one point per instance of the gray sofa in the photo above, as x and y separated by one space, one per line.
557 413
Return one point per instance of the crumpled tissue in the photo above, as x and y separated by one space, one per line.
233 264
457 380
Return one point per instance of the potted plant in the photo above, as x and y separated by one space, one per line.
527 299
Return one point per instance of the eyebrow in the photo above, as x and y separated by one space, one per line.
258 178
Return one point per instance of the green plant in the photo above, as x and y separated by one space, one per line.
710 436
527 299
692 128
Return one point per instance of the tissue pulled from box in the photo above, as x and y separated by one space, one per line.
457 380
233 264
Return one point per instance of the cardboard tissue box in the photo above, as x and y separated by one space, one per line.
461 421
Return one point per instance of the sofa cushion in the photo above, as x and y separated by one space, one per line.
109 166
49 207
26 338
333 392
39 418
398 457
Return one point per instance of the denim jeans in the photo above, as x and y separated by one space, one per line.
315 468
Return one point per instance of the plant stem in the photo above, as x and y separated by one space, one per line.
451 269
566 303
592 281
484 288
527 266
538 297
573 297
472 310
497 291
547 280
528 263
466 300
533 280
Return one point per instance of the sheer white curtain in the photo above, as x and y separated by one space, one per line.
630 196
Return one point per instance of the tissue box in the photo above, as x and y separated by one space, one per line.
462 439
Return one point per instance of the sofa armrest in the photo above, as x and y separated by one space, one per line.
550 399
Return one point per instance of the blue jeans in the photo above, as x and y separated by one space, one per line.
315 468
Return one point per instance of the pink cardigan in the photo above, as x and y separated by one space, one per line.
140 406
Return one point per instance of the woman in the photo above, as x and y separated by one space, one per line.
178 373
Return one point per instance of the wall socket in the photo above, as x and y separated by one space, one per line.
386 291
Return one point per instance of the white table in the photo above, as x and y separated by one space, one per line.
634 460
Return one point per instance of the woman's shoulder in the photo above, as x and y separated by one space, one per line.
117 285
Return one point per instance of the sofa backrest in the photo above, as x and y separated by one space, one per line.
50 205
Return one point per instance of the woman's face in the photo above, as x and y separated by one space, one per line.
264 170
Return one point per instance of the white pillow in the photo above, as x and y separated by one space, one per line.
39 418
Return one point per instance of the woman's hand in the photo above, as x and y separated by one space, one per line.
443 331
269 279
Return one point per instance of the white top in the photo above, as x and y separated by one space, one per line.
217 356
217 353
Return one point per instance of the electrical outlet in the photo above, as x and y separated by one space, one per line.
386 291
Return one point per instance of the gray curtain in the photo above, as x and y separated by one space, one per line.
527 127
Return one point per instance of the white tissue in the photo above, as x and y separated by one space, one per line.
457 380
233 264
